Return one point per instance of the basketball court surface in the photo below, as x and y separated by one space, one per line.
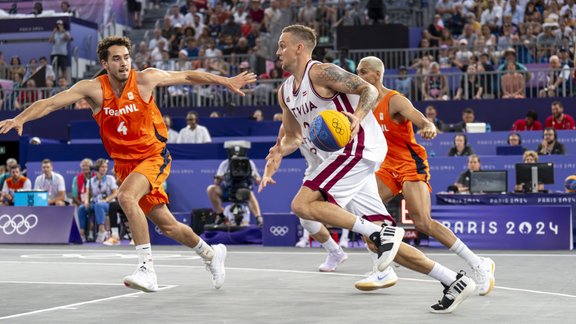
83 284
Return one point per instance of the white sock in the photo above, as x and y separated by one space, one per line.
305 235
332 246
204 250
465 253
365 227
144 252
345 233
115 232
442 274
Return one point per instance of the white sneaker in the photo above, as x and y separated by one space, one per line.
216 265
143 279
303 243
388 242
484 276
377 280
344 242
332 261
102 236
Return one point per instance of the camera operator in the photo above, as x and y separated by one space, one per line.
233 182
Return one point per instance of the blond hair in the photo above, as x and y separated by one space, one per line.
533 154
375 64
302 33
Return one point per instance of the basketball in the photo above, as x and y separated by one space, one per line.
330 130
570 183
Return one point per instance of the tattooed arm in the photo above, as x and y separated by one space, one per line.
329 79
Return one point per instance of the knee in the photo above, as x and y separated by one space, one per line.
312 227
210 190
300 209
126 199
169 228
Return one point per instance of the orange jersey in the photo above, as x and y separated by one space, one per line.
131 129
404 154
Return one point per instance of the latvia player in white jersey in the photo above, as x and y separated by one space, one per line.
345 179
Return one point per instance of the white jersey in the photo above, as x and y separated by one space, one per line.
305 104
313 156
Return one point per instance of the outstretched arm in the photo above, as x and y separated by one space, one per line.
162 78
401 105
41 108
330 76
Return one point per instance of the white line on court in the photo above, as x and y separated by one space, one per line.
75 305
274 270
297 252
59 283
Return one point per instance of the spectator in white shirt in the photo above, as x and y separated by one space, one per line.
176 17
156 39
193 133
492 16
172 134
53 183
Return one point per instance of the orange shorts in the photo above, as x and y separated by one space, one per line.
156 169
395 178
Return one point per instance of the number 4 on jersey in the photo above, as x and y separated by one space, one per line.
122 128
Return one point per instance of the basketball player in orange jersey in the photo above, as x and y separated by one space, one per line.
134 135
405 169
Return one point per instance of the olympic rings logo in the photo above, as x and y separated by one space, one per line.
279 230
337 127
17 224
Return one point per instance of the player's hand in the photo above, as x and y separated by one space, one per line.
8 124
238 82
428 132
274 156
354 122
264 183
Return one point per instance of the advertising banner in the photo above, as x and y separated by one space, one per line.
38 225
508 227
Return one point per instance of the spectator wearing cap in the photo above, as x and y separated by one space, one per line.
559 120
510 57
59 40
528 123
547 41
557 79
445 57
403 83
492 16
463 55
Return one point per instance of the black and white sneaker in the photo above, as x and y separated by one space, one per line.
454 294
388 241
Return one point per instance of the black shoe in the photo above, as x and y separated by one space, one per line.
454 294
221 219
388 241
259 221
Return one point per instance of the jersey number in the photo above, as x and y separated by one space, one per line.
122 128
